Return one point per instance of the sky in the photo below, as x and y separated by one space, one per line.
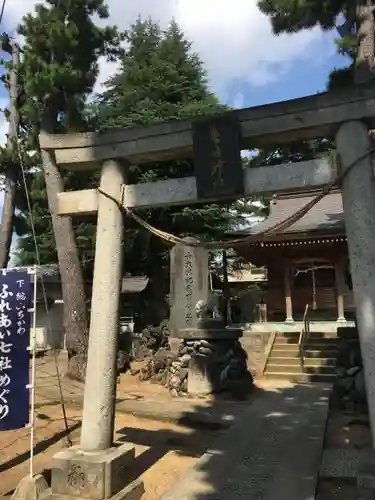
246 64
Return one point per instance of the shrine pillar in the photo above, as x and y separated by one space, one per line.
354 147
98 468
288 293
340 290
100 384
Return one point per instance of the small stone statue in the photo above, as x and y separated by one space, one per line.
202 310
208 313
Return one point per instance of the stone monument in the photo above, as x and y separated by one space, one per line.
188 284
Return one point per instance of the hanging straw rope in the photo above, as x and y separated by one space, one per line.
254 238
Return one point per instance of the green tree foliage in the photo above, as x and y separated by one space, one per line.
291 16
161 79
292 153
294 15
59 67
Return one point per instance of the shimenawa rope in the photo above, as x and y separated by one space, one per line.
254 238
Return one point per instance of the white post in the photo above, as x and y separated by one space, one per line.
33 375
288 294
358 193
100 385
340 288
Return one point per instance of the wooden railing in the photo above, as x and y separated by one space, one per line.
302 338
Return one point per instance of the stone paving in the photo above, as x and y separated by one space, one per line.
344 463
272 452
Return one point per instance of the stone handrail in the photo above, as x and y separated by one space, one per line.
268 350
305 331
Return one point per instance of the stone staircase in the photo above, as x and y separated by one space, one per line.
320 354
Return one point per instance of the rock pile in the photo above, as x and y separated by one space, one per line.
227 358
149 341
157 368
350 388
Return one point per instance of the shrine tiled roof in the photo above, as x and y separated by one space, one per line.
326 217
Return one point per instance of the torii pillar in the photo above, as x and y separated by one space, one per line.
99 468
358 193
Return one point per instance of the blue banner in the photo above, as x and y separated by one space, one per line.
15 302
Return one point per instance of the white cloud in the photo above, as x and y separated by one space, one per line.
238 101
107 69
233 37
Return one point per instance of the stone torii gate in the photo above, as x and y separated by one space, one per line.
215 145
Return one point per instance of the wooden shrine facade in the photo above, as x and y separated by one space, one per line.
308 264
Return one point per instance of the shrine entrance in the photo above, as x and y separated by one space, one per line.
314 285
215 145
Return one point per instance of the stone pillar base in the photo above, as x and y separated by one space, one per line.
94 476
200 376
366 476
211 361
341 321
289 320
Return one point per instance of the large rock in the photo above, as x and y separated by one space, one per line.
351 372
346 383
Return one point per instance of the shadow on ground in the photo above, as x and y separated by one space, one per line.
38 448
268 446
272 449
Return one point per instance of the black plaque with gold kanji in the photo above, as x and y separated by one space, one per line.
217 158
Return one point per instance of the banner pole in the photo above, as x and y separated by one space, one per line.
33 375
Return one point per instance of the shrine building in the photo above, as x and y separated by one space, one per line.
306 265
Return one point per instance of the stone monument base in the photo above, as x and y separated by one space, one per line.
94 476
210 361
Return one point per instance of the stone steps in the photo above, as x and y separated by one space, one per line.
275 359
320 353
310 340
312 335
309 351
286 368
302 377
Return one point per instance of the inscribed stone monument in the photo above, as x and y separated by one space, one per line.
188 285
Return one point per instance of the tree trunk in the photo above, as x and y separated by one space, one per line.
72 283
226 290
364 71
6 228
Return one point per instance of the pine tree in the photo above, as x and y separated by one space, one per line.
290 16
9 154
161 79
60 53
